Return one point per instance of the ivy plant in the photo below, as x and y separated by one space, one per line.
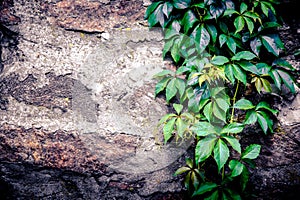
220 48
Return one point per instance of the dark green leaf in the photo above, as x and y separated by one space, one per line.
267 118
243 104
213 196
222 103
266 85
270 45
175 51
212 31
161 85
263 123
189 20
283 63
276 78
204 148
205 187
202 38
287 79
235 144
251 117
219 113
221 153
251 152
231 44
266 106
151 8
216 10
244 178
236 167
157 16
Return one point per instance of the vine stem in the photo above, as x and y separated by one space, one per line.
234 99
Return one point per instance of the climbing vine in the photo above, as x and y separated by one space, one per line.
222 50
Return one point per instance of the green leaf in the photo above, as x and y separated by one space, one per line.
270 45
151 8
180 85
230 73
219 60
189 20
167 9
203 129
171 89
251 117
216 10
168 129
250 24
165 118
222 103
218 112
236 167
246 55
262 122
204 148
208 110
212 31
244 178
221 154
268 119
266 106
163 73
202 38
251 152
189 162
266 85
239 24
243 7
181 4
235 144
283 63
178 108
161 85
276 78
157 16
213 196
175 51
239 74
243 104
182 170
205 187
222 39
287 80
231 44
248 66
255 45
232 194
181 127
233 128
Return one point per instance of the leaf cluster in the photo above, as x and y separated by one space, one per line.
217 45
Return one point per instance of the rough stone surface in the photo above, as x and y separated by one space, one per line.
78 117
